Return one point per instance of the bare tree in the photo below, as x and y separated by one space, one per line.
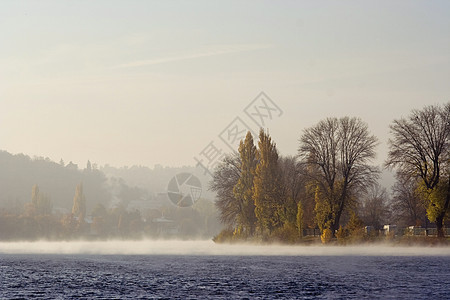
337 153
225 177
420 148
376 207
292 188
407 206
291 177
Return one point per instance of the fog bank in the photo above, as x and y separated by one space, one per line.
177 247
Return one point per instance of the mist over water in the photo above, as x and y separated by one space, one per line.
208 247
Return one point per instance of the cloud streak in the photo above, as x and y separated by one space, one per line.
229 49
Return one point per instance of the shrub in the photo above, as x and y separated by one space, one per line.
225 236
342 235
286 234
326 236
358 235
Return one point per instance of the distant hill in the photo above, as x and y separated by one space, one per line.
18 174
106 185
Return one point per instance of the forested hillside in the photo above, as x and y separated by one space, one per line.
18 174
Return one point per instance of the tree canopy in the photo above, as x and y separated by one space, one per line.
337 153
419 148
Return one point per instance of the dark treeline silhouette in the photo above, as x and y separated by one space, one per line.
332 186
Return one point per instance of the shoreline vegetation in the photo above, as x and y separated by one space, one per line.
404 240
331 185
221 239
38 223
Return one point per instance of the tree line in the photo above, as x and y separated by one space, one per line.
332 183
106 205
38 220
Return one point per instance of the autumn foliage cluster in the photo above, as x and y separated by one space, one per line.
332 184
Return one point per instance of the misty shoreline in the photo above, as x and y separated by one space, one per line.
208 247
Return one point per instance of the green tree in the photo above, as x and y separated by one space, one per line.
243 190
419 147
337 153
323 210
355 227
436 199
266 184
79 203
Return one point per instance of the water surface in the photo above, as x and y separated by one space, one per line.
224 277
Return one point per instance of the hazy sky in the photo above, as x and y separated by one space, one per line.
141 82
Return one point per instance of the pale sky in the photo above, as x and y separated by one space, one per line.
154 82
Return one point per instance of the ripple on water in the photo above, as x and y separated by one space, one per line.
223 277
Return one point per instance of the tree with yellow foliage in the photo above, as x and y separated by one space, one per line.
266 188
243 190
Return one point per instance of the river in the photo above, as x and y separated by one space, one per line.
332 275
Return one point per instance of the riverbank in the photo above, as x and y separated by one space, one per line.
404 240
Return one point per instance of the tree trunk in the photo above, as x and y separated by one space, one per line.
336 222
333 229
337 218
439 226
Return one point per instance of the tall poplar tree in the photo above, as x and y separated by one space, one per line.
243 190
266 184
